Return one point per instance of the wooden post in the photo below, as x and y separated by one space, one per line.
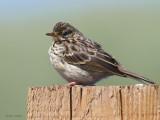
94 103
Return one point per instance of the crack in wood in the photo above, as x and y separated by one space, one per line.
81 90
121 109
70 103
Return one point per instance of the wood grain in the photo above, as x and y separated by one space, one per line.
94 103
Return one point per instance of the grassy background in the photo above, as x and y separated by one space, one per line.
128 30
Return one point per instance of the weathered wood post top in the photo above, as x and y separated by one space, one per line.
94 103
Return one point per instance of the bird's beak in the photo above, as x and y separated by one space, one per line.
54 34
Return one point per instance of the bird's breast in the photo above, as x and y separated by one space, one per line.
68 71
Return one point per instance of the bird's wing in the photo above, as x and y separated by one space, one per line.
91 58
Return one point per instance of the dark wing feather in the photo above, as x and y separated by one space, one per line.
91 57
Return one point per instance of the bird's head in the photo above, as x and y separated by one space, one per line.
62 31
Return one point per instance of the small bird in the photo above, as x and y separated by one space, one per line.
82 61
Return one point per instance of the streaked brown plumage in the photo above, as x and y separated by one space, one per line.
82 61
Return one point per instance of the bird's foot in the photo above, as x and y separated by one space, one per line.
71 84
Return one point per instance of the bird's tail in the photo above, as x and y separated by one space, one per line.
136 76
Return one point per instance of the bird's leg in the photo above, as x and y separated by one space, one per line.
70 84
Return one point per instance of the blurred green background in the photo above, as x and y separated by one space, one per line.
130 30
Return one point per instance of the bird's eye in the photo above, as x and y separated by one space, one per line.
66 32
